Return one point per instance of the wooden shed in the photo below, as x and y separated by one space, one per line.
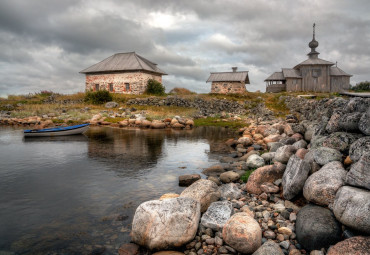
126 73
229 82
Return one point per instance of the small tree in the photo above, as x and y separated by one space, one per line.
98 97
155 88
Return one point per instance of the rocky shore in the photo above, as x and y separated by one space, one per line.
305 190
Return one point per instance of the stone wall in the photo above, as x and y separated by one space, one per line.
137 82
276 88
228 87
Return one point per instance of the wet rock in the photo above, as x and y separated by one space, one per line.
129 249
324 155
263 174
358 245
217 214
294 177
214 170
317 228
284 153
255 161
164 224
177 126
204 191
229 176
269 248
352 206
158 125
359 174
187 180
123 123
242 233
350 122
359 147
364 123
230 191
321 187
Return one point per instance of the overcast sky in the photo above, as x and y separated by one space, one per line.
45 43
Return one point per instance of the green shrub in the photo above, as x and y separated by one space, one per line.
155 88
362 86
98 97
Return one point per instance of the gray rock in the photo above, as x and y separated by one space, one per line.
333 124
246 156
255 161
298 128
214 179
268 157
352 208
349 122
359 174
229 176
204 191
316 228
308 134
230 191
321 187
214 170
287 140
283 153
269 248
164 224
357 104
359 147
340 141
300 144
274 146
317 141
285 244
111 105
364 123
324 155
294 177
217 214
187 180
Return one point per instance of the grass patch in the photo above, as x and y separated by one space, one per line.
219 123
114 120
246 175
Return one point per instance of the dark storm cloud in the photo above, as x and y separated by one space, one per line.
46 43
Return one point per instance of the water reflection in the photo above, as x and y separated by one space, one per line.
65 195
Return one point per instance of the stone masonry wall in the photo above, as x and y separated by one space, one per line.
228 87
137 80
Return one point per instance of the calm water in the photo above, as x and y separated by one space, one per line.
75 195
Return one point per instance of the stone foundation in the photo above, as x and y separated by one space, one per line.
228 87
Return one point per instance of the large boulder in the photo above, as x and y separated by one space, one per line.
333 123
357 245
255 161
204 191
357 104
359 147
340 141
230 191
321 187
188 179
229 176
316 228
364 123
324 155
283 153
352 208
295 176
164 224
269 248
217 214
263 174
301 144
349 122
359 174
243 233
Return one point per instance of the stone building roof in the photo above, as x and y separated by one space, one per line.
121 62
277 76
241 76
336 71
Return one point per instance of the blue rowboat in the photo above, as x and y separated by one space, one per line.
70 130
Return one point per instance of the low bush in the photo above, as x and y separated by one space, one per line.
181 91
98 97
361 87
155 88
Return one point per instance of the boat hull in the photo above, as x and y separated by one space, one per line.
72 130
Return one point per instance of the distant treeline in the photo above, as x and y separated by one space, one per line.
362 86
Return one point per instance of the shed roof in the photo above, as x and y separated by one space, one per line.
336 71
124 62
277 76
291 73
229 76
314 61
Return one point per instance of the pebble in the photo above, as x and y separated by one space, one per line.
285 231
269 234
218 241
284 244
293 217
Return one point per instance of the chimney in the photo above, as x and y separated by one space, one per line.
234 69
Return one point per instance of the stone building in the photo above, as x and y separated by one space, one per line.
229 82
313 74
126 73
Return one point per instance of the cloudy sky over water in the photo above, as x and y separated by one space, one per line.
45 43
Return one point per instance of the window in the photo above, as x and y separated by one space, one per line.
316 73
96 87
127 86
111 87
